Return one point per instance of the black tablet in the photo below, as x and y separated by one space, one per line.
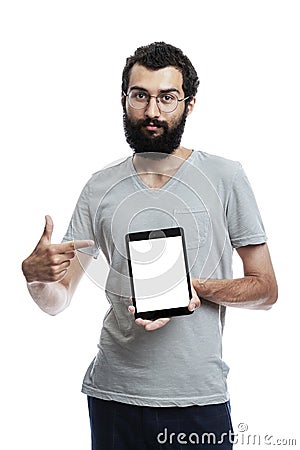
159 275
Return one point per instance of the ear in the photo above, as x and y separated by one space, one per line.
191 105
123 100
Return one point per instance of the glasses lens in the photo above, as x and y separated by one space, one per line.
138 99
167 102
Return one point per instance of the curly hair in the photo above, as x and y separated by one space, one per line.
159 55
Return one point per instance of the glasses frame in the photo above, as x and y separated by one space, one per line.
157 102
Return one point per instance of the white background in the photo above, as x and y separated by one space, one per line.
61 120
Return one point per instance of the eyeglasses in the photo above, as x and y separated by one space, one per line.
166 102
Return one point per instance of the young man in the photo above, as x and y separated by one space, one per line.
162 383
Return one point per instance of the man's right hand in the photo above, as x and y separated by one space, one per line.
50 262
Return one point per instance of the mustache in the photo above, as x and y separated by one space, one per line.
155 122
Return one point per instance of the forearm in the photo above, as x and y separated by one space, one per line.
250 292
52 298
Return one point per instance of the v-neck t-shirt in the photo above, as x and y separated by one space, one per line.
181 363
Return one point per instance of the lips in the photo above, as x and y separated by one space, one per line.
152 127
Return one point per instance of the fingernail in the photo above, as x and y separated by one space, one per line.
192 307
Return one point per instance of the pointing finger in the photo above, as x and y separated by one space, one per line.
82 244
71 246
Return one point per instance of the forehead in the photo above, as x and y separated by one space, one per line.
154 80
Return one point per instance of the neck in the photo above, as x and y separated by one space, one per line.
168 164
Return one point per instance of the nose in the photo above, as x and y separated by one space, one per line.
152 110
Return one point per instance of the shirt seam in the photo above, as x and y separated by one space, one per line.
249 238
88 389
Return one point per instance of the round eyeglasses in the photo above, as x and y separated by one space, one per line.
166 102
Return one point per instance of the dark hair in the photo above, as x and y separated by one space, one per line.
159 55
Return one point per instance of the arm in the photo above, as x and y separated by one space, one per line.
256 290
53 271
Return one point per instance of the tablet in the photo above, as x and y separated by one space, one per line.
158 271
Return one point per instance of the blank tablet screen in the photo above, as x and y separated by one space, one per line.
159 273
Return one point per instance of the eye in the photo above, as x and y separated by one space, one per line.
168 98
139 96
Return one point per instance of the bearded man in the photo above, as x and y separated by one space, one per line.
160 383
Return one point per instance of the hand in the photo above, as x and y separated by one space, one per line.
50 262
151 325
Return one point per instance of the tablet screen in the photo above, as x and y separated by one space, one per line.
158 270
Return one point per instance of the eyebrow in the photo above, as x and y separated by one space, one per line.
161 91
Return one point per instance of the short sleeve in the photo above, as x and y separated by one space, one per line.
245 225
81 225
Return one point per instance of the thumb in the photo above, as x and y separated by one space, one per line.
48 230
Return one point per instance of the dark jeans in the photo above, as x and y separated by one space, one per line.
120 426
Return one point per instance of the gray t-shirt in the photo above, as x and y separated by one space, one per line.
180 364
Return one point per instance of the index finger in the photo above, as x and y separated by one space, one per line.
71 246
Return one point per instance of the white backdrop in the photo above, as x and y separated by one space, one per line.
61 120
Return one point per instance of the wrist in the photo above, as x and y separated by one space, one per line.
201 287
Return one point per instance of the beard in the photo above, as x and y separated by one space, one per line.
143 142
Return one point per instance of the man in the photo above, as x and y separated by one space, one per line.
162 383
